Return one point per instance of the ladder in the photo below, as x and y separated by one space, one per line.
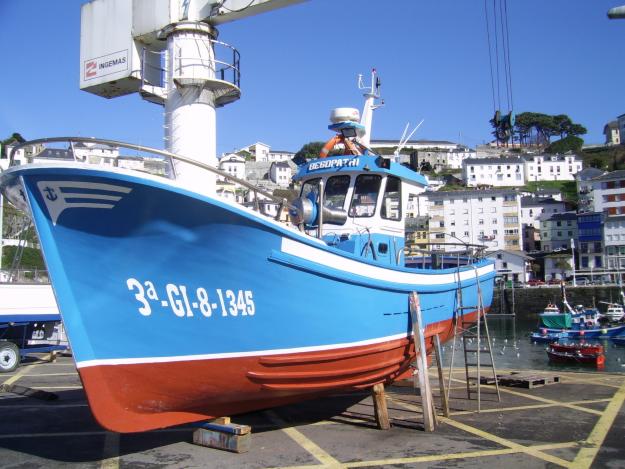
472 342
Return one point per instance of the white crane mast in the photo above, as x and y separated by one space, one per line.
166 50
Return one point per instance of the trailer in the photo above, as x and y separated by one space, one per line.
21 338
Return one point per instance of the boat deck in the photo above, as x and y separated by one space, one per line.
578 422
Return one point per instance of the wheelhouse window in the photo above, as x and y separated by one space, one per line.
309 186
391 202
336 192
365 195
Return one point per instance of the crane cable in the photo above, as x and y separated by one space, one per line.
499 38
490 56
507 49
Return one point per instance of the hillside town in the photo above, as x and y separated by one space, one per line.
535 235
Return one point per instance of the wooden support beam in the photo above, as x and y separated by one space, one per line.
379 405
421 379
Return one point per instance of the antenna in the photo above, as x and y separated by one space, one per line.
167 50
372 93
403 140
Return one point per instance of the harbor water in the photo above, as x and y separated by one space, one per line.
513 350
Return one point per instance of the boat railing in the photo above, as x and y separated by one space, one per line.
159 163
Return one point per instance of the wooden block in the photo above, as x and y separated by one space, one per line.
229 441
221 421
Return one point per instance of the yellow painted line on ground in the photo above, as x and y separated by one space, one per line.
450 456
19 374
497 439
45 388
597 381
42 406
527 407
551 401
38 375
110 451
14 436
315 450
544 400
593 443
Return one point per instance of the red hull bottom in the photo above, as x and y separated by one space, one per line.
140 397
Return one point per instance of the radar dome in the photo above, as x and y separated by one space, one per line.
344 114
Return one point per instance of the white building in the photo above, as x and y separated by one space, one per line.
583 180
494 172
414 144
22 156
608 193
95 153
489 217
614 242
281 173
234 165
261 152
450 158
621 124
557 230
612 133
552 167
511 265
532 208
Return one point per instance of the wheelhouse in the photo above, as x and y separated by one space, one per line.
363 200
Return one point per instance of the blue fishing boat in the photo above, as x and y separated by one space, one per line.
218 309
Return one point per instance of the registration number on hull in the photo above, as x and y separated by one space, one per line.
185 302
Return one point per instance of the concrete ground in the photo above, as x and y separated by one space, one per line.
578 423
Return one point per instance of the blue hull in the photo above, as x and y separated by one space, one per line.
146 273
597 333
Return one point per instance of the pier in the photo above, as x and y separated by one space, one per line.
576 421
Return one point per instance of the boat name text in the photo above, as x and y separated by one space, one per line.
335 163
184 302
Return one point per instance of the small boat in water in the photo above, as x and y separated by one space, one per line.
577 353
614 312
543 336
218 309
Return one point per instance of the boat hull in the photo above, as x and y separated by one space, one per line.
182 307
595 333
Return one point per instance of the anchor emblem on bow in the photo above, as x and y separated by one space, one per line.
50 194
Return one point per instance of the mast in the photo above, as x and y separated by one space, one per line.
372 93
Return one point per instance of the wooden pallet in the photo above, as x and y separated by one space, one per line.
522 380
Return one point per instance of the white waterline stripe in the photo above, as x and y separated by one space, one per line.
215 356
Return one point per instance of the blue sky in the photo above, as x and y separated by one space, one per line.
299 62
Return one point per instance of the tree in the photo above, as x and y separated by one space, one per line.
534 127
309 151
569 143
14 138
562 264
245 154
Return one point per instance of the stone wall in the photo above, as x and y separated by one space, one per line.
530 301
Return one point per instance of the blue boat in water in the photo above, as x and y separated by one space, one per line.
182 306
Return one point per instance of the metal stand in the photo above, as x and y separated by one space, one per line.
472 343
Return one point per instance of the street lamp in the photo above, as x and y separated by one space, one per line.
616 13
573 260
